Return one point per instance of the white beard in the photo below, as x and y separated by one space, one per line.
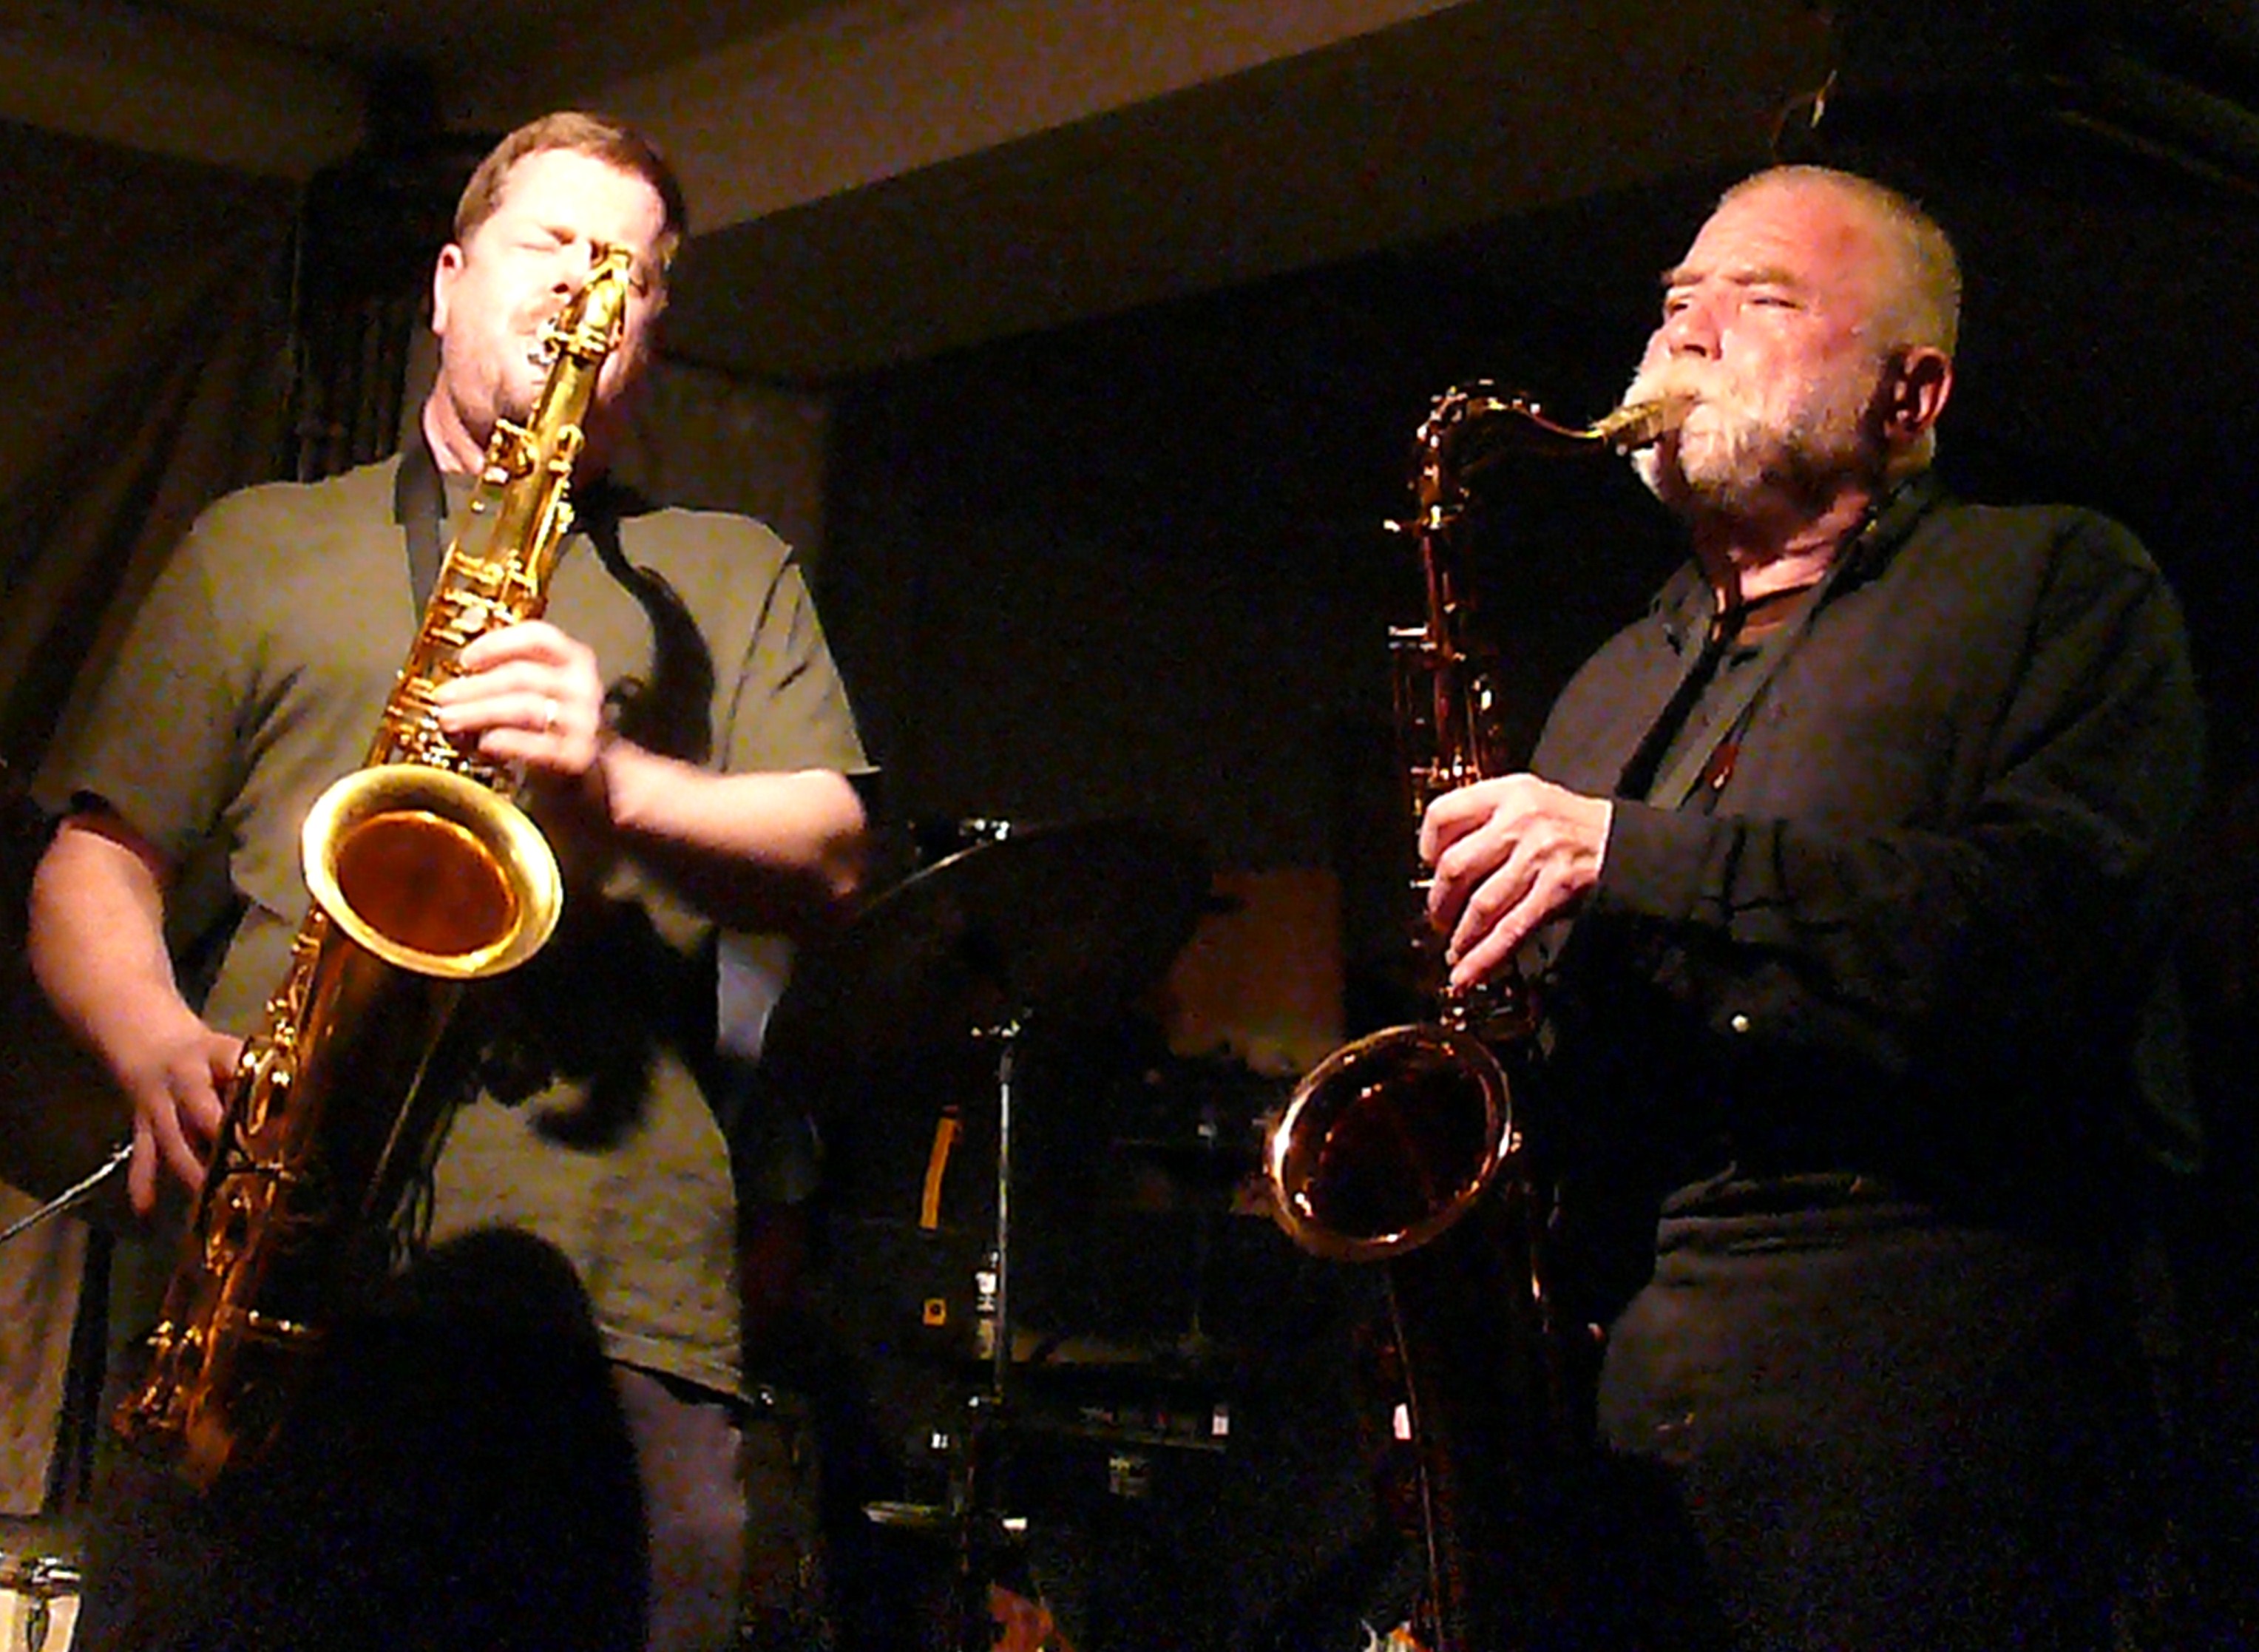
1738 448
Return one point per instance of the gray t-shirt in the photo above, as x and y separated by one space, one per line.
253 677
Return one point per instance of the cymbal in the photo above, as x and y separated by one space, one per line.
1055 923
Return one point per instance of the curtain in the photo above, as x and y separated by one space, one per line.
147 368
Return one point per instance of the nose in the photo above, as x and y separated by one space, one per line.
1690 327
576 262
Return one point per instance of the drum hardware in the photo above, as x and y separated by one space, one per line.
933 1518
1141 1420
41 1595
1046 927
1208 1430
1058 1389
1129 1474
81 1193
980 1530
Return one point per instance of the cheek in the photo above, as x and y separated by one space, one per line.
484 309
1751 352
634 340
623 372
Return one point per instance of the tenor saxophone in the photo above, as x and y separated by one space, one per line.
424 875
1404 1147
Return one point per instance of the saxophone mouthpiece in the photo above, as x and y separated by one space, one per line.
1638 425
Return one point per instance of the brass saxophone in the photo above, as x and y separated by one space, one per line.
1409 1135
423 876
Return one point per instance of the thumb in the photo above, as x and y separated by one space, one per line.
141 1171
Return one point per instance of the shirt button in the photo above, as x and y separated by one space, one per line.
1740 1023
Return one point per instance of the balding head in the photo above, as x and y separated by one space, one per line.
1918 294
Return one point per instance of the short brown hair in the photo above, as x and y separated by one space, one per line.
613 142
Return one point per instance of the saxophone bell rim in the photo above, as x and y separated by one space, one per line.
501 830
1296 1137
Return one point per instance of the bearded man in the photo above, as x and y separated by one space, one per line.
1843 872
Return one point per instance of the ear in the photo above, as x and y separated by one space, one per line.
1916 387
445 274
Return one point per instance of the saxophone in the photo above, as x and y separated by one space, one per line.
1404 1147
423 876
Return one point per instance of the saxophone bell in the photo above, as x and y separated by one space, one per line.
1389 1141
432 872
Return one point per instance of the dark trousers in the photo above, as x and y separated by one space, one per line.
1867 1428
465 1471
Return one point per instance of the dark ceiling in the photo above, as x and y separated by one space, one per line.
463 44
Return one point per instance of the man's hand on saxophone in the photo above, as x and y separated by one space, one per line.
1509 855
529 694
97 946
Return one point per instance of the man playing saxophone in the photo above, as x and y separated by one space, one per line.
1841 874
687 749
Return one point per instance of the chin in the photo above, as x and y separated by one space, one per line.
1706 464
1662 477
513 405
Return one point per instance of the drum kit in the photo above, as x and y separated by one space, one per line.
976 969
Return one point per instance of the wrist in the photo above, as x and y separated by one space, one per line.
613 789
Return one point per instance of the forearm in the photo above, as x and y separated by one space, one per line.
1893 950
97 939
755 851
98 945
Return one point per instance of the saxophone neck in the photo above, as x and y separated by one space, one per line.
529 470
1638 424
1472 426
588 328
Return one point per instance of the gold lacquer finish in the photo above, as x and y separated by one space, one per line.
424 875
1404 1147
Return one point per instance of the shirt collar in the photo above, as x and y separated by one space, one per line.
1684 603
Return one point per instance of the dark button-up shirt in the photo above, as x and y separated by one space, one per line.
1916 931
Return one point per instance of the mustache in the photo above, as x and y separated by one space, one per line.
1700 383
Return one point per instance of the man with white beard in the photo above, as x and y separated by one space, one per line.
1842 876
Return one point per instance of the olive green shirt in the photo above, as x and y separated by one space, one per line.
253 677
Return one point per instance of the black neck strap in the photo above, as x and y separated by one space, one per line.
419 505
1890 520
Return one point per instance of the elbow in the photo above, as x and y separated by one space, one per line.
843 873
843 865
